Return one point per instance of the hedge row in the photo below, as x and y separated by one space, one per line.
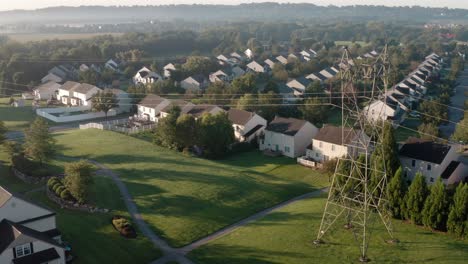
55 184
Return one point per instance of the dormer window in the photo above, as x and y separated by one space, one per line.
23 250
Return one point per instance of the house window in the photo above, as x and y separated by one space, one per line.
429 167
413 163
286 149
23 250
432 179
372 112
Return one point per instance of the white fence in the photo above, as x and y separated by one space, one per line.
119 125
68 114
309 163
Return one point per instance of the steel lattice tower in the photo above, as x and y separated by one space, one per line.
352 196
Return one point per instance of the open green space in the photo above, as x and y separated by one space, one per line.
184 198
92 237
285 236
350 43
16 118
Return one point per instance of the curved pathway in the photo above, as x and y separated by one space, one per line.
179 254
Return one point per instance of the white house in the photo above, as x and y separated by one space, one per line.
254 66
46 91
76 94
112 65
316 77
146 76
249 53
288 136
168 69
247 125
28 232
60 74
337 142
329 72
150 107
385 109
194 83
283 60
433 160
270 63
299 84
224 75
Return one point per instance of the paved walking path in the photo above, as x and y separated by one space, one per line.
178 254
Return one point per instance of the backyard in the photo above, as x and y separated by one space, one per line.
16 118
184 198
286 236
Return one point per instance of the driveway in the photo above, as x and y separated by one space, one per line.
457 101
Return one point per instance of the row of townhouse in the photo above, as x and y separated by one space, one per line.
404 96
247 125
28 232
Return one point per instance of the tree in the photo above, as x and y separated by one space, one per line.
12 148
314 110
215 134
385 157
39 145
415 198
78 177
314 89
186 131
89 76
268 105
3 130
244 84
461 133
271 86
247 102
104 101
435 212
165 134
457 222
396 191
428 131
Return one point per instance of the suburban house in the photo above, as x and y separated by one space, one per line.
433 160
28 232
316 77
385 109
287 136
60 74
300 84
183 105
336 142
283 60
270 63
76 94
194 83
247 125
125 101
254 66
112 65
249 53
150 107
224 75
237 71
222 59
168 69
46 91
329 72
146 76
198 111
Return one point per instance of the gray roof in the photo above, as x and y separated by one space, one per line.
239 117
287 126
199 110
334 135
176 102
152 100
429 151
69 85
4 196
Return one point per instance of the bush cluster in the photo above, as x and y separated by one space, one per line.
123 226
29 167
54 184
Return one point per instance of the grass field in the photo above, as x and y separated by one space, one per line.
286 236
185 198
350 43
40 37
16 118
85 230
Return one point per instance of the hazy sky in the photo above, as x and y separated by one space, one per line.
33 4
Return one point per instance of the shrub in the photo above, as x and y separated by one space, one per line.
66 195
52 181
56 186
59 189
29 167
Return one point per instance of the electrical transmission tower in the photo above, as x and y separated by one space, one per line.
357 196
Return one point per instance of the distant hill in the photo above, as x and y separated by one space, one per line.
242 12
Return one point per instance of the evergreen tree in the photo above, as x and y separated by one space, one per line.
415 198
247 102
39 145
215 134
396 191
3 130
435 210
78 177
457 222
165 134
186 130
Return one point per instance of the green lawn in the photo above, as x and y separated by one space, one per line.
286 236
16 118
407 129
185 198
91 236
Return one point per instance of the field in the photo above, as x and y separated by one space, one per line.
350 43
84 230
40 37
286 236
16 118
184 198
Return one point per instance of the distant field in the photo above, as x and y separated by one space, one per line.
349 43
39 37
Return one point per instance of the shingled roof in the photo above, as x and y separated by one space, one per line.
152 100
239 117
287 126
334 135
4 196
428 151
